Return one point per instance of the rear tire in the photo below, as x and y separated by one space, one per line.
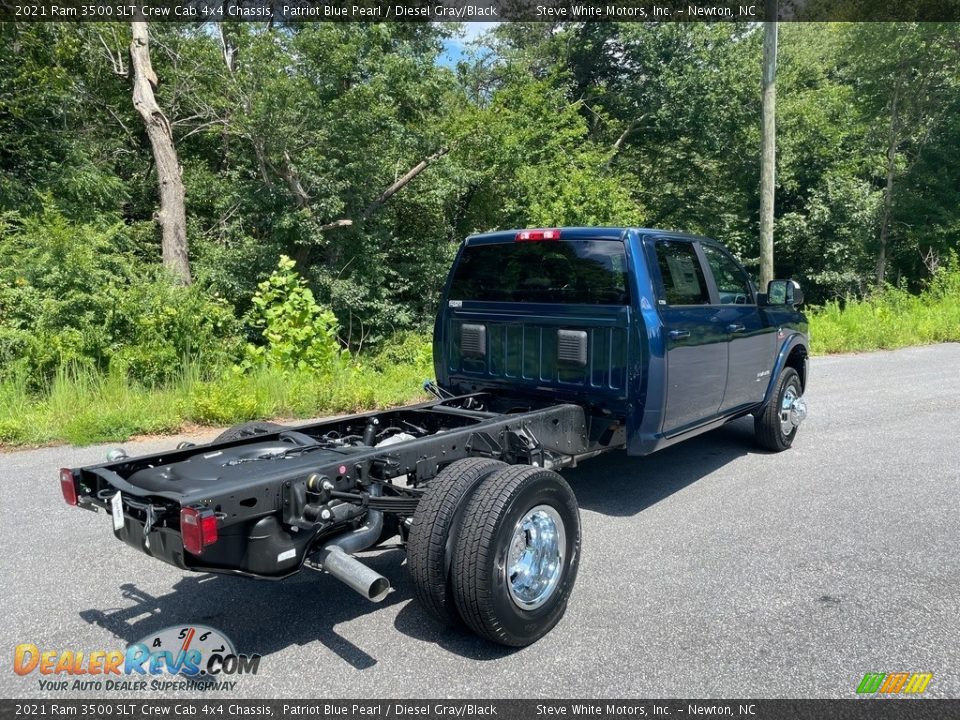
517 555
433 532
773 431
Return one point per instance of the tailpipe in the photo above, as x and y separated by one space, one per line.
336 557
353 573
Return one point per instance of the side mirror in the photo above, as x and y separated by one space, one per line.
784 292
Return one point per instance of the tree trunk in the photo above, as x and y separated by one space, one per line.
172 214
402 182
620 140
768 145
302 200
892 143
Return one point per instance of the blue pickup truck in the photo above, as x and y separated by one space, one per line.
551 346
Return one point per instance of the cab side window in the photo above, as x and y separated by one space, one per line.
732 282
683 281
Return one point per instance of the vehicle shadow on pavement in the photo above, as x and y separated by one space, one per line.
620 485
260 617
413 621
310 604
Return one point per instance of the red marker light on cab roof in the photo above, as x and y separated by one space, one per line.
68 486
536 235
198 529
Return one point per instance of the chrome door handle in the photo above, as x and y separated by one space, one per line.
735 328
678 334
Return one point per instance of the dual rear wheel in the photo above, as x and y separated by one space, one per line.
496 547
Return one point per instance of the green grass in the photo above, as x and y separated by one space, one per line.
82 406
890 318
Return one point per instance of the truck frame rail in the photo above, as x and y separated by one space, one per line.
278 497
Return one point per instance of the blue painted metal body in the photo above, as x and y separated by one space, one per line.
664 372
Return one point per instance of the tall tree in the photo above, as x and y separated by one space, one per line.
893 143
907 77
171 217
768 144
669 101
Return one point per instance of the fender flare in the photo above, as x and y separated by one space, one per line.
794 340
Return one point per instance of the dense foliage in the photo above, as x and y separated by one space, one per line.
75 294
289 138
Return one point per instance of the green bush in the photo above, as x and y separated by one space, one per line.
161 323
75 295
413 350
891 317
298 333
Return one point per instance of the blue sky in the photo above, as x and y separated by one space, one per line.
453 49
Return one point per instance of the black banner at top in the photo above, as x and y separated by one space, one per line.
296 11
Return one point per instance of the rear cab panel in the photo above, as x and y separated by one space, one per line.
551 319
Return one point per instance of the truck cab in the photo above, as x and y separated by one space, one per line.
663 334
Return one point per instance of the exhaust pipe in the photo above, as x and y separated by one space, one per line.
337 559
353 573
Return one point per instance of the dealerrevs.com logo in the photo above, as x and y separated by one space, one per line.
179 657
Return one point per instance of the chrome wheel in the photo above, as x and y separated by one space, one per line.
535 557
793 410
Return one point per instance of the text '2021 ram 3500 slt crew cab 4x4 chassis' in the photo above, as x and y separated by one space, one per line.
551 346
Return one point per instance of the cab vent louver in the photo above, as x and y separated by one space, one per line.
473 340
572 347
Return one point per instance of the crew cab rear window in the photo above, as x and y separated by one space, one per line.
732 282
683 281
589 272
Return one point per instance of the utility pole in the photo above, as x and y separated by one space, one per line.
768 143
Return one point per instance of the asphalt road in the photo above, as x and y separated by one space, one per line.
711 569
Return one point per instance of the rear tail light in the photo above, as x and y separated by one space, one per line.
68 486
536 235
198 529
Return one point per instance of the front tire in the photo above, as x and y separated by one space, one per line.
777 425
517 555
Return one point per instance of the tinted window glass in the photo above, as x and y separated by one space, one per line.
732 282
592 272
683 282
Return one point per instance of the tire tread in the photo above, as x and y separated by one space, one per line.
766 425
426 546
475 544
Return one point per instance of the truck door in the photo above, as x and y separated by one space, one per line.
694 337
750 345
